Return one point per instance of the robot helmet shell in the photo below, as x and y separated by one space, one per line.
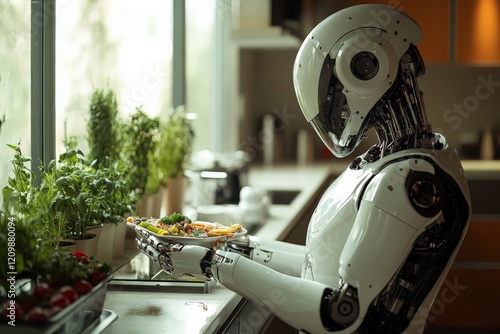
345 65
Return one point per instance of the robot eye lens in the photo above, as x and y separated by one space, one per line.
364 65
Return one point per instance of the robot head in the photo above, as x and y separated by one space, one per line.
357 69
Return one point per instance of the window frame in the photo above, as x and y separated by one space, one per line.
43 30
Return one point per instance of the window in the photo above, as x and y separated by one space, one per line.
15 93
111 44
128 48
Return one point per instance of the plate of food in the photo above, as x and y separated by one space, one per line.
177 228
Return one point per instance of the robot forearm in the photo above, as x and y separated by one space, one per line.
281 256
303 304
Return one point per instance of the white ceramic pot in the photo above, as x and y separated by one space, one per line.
120 232
106 242
150 206
88 246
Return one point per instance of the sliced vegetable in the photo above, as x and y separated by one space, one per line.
150 227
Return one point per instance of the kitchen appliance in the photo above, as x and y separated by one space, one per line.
217 178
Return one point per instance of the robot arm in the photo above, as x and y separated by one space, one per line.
283 257
304 304
280 256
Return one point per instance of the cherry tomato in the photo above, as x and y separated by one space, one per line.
27 305
79 254
37 314
96 276
58 300
69 292
54 310
82 286
42 291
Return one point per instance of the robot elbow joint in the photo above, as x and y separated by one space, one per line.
341 308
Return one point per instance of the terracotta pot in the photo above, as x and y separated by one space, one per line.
173 197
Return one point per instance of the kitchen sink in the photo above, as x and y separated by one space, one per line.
282 197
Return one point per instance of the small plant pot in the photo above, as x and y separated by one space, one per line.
173 198
105 243
120 231
67 244
150 205
88 245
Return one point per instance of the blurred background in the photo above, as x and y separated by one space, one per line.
233 68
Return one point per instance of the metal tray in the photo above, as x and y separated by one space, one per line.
75 318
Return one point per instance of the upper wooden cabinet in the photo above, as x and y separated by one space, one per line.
454 31
434 20
478 24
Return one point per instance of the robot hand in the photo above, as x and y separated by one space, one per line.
176 259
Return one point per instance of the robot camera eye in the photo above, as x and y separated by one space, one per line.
364 65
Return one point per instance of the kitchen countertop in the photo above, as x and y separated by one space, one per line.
173 311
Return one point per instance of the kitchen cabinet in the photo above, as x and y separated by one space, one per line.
470 296
460 32
433 17
259 76
478 23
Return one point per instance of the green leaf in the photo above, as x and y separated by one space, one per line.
81 202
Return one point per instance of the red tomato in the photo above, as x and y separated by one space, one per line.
42 291
68 292
79 254
54 310
37 314
82 286
58 300
96 276
27 305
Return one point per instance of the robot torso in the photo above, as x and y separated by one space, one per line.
334 227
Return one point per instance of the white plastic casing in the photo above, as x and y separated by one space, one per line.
394 32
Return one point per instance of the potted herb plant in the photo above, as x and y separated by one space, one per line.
104 138
172 155
139 142
72 197
102 127
103 196
32 203
120 202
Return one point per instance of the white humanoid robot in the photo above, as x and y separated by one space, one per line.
385 233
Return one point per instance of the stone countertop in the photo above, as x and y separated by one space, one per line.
482 169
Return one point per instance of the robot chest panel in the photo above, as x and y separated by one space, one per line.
331 224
